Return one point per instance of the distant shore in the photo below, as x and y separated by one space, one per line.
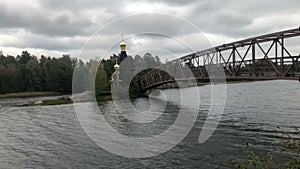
29 94
227 82
100 97
174 85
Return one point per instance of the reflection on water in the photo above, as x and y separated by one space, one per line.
51 136
133 129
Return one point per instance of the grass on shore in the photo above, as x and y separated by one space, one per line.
58 101
100 98
28 94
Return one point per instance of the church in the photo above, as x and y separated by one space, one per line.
124 69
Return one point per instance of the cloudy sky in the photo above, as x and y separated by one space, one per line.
56 27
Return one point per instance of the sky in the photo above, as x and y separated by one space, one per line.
92 28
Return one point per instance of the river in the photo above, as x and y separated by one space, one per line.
52 137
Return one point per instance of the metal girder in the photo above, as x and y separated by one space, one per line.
245 42
266 56
293 63
243 59
234 61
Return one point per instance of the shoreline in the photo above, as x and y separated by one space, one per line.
29 94
104 97
175 86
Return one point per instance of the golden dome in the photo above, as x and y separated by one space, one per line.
122 43
116 66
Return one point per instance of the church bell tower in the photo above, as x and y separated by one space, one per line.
124 69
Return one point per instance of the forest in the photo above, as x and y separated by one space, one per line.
29 73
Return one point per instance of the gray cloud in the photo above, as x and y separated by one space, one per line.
234 18
172 2
66 25
156 23
77 5
40 22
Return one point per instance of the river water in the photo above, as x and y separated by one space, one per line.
52 137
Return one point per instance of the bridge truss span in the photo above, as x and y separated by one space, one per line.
271 56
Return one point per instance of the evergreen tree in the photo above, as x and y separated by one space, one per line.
33 75
101 82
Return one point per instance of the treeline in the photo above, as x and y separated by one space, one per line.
104 69
28 73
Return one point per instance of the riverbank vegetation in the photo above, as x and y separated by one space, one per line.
58 101
27 75
287 156
28 94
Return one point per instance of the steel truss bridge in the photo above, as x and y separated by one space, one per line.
264 57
